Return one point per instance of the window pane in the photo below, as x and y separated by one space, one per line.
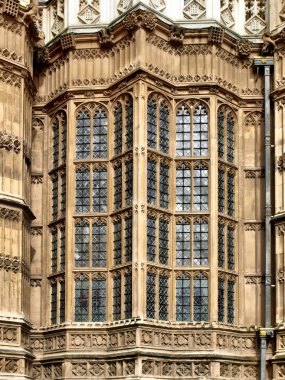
55 142
231 248
163 241
118 187
183 298
163 186
128 239
151 123
151 238
200 243
62 249
55 198
129 124
231 194
99 299
53 306
99 191
164 128
81 299
221 191
221 245
183 188
183 133
63 138
128 295
118 130
200 188
150 295
221 300
221 145
54 251
183 244
230 139
63 194
200 132
117 298
117 242
100 141
83 135
151 181
62 302
163 298
129 182
82 245
200 299
231 302
82 191
99 245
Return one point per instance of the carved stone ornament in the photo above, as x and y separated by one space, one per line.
176 35
67 41
227 15
9 263
244 47
255 280
36 283
139 19
281 275
9 142
216 35
6 213
36 179
11 7
89 12
124 5
281 162
194 9
106 37
159 5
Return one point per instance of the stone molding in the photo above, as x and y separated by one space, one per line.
9 263
254 173
10 214
254 279
10 78
9 142
254 226
36 230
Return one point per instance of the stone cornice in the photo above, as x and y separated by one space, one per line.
18 204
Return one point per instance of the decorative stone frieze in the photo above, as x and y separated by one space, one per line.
244 47
280 229
140 19
37 179
13 215
36 231
10 55
9 142
254 173
9 263
254 279
10 78
8 24
254 226
194 9
35 283
227 15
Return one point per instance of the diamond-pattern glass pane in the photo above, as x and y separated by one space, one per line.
163 241
231 302
55 143
231 248
118 187
183 188
129 182
200 299
62 248
151 232
82 245
151 123
150 295
82 191
53 303
117 298
221 300
164 128
118 130
230 139
151 181
55 198
81 299
163 186
221 245
62 302
221 135
221 191
231 194
183 298
63 194
63 138
128 295
99 299
100 141
129 124
200 188
54 251
117 242
83 135
128 239
163 298
200 243
183 243
183 132
99 245
99 190
200 132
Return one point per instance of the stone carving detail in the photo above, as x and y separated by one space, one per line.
10 55
6 213
227 13
228 57
176 35
9 142
254 173
8 334
255 16
257 226
254 119
281 229
250 371
11 365
11 25
216 35
36 231
281 370
58 17
79 369
11 7
36 179
37 344
89 11
159 5
139 19
36 283
281 162
254 279
194 9
281 276
244 47
124 5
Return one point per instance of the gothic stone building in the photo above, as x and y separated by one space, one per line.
142 189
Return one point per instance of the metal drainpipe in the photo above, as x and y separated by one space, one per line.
266 331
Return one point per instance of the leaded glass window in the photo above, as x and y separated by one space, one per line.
117 242
183 188
81 299
100 134
183 298
151 181
118 129
183 243
151 240
83 135
150 295
221 190
53 306
200 132
63 194
99 245
82 244
99 299
151 123
221 300
163 241
200 243
99 192
55 197
231 194
63 138
221 135
183 132
55 142
230 139
231 248
82 191
128 182
117 298
200 298
200 201
62 248
128 239
163 298
163 128
231 301
163 186
128 295
54 251
221 245
62 302
118 187
129 124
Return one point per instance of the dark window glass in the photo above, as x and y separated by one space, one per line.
230 139
151 181
221 191
53 306
118 187
231 248
183 244
55 142
231 302
83 135
128 295
128 239
118 130
82 245
150 295
183 188
221 245
82 191
117 242
163 298
163 241
55 198
200 132
200 243
62 302
99 299
183 133
183 298
151 238
163 186
100 134
129 124
99 245
63 194
63 138
99 192
200 300
129 182
81 299
200 188
62 249
54 251
221 144
117 298
221 300
151 123
231 194
164 128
